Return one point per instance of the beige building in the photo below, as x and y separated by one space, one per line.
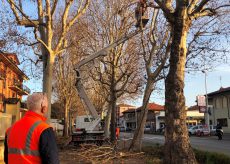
194 117
119 112
220 111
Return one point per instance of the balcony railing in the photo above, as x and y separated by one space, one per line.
17 86
26 89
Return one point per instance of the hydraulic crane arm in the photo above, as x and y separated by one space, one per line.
103 52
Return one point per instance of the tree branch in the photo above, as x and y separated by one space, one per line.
20 22
200 7
192 6
54 7
168 11
38 39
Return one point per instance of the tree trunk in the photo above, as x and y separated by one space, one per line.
137 139
113 117
177 145
107 122
47 80
48 61
66 120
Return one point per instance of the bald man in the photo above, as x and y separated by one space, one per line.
31 140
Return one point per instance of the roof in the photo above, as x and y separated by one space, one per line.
125 105
192 108
220 91
4 58
155 107
14 56
129 111
151 107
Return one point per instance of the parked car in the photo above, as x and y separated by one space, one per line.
147 128
212 130
125 129
202 131
192 130
161 130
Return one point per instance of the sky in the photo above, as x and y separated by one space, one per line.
195 85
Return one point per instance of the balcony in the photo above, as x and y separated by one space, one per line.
21 89
2 74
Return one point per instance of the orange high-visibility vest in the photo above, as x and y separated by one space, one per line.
117 132
23 139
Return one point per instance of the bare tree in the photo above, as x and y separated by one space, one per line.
180 14
43 24
156 48
64 85
118 73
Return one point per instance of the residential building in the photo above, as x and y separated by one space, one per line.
11 92
119 112
129 119
11 87
219 101
155 117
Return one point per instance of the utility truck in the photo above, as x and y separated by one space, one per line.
88 128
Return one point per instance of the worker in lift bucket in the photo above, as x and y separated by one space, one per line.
31 140
141 13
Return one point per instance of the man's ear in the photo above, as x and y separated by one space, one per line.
43 109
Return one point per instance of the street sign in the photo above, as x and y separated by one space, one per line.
202 109
201 101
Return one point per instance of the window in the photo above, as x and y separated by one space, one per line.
219 103
223 122
225 102
86 119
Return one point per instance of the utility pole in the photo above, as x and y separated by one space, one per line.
206 96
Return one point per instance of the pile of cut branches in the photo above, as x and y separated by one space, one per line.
104 153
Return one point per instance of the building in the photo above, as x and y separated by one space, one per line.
11 87
119 112
11 92
155 117
194 117
219 101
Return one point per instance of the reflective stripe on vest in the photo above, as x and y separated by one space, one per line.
26 150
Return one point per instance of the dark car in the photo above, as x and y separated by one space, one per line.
161 130
125 129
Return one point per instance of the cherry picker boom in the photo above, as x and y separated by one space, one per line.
91 131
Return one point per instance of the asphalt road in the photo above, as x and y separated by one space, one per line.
211 144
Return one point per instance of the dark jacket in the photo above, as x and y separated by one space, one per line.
47 148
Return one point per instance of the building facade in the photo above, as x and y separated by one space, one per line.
11 87
119 113
11 92
220 108
155 118
194 117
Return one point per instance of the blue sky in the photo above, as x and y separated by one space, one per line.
195 85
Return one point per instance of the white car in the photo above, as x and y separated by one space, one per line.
193 129
203 131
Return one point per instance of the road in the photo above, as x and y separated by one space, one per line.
211 144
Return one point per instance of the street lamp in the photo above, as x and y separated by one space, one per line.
206 111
